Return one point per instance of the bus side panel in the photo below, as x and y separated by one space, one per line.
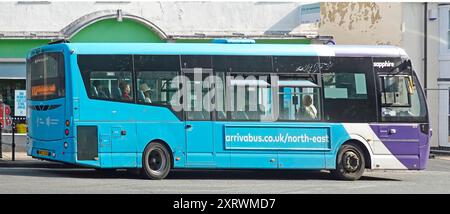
276 145
398 150
400 141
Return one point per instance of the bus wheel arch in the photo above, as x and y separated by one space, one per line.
364 146
157 160
351 160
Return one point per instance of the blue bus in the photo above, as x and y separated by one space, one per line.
158 107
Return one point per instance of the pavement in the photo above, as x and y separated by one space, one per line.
20 140
34 176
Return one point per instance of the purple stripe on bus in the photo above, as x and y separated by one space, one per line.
412 154
424 150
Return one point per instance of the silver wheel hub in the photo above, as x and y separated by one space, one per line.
351 161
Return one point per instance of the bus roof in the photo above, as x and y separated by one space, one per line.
232 49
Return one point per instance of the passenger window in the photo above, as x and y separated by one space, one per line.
155 87
107 77
348 89
299 99
111 85
249 97
154 78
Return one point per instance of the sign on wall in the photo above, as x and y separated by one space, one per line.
310 13
20 99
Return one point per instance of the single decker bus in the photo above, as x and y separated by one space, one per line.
228 104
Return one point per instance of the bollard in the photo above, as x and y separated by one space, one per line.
13 145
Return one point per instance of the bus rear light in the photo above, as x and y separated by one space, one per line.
67 123
66 131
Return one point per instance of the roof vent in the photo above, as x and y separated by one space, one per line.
234 41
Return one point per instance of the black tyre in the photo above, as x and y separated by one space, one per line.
156 161
350 163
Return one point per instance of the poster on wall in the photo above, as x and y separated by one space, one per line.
310 13
20 101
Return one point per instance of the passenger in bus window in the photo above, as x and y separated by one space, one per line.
146 93
126 89
310 110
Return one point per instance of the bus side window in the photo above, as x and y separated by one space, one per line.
348 89
107 77
155 76
299 99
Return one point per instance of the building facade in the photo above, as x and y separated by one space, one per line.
422 29
28 24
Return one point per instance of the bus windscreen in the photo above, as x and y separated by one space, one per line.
45 73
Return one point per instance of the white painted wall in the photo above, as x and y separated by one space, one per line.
433 75
174 18
444 73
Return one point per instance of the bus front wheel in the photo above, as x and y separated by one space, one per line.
156 161
350 163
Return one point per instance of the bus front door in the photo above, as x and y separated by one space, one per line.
198 125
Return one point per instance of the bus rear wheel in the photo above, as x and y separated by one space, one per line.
156 161
350 163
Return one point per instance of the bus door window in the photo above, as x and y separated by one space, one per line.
197 108
400 95
400 99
